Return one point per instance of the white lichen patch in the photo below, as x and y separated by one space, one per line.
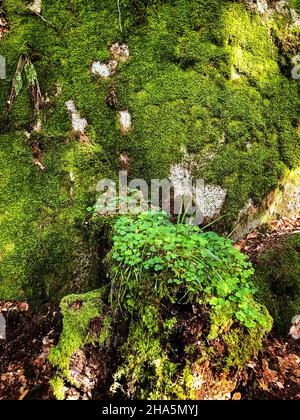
2 328
79 124
72 176
208 198
211 199
101 70
181 179
262 6
120 52
125 121
104 70
295 18
36 7
295 329
234 74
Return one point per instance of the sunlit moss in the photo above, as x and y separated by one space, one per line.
77 311
179 88
277 279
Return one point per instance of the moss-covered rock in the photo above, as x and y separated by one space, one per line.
79 312
278 280
186 298
283 202
204 78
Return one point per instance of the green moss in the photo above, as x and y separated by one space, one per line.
295 4
185 98
179 88
175 293
241 351
58 386
42 231
159 273
77 311
278 282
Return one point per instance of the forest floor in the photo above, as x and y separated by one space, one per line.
25 371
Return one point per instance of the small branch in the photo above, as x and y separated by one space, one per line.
14 90
120 15
43 19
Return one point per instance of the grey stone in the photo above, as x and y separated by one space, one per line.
2 328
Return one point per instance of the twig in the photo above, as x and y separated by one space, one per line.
23 395
45 20
13 93
120 15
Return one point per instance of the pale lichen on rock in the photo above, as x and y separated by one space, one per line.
36 6
209 198
104 70
2 327
120 52
79 124
125 121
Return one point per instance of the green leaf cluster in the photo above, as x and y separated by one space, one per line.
184 264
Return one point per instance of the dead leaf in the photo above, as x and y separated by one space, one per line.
252 235
240 245
23 395
280 385
24 307
269 376
296 380
263 385
289 362
237 396
297 373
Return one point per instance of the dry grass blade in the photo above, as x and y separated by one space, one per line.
17 82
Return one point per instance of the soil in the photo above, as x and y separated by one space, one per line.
24 368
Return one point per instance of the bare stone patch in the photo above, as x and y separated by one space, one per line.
2 328
284 202
212 199
209 198
125 121
104 70
79 124
36 7
120 52
295 329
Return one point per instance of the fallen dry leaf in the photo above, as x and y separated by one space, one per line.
263 385
240 245
252 235
23 307
290 362
297 373
280 385
296 380
23 395
269 376
237 396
